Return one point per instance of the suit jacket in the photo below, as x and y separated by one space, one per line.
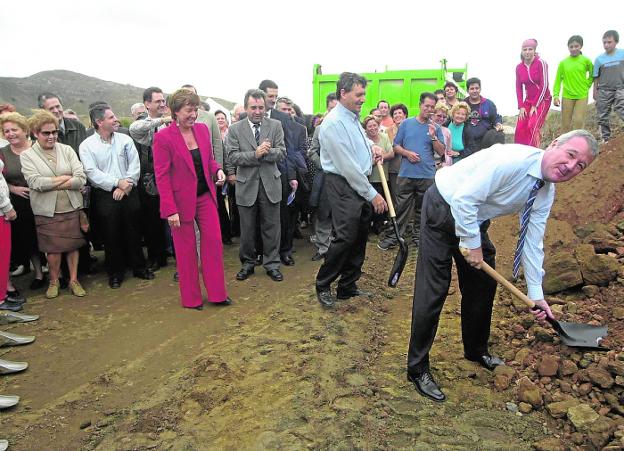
287 166
175 171
208 118
241 147
75 133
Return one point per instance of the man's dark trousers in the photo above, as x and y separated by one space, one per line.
351 216
438 246
120 228
153 227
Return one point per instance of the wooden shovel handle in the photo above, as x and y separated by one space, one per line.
384 183
504 282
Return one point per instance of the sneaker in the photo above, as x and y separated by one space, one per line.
18 271
77 289
53 290
387 243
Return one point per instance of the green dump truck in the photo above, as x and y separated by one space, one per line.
395 86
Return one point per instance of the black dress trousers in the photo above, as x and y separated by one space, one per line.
438 246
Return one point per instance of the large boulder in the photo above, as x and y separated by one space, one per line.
562 272
560 409
600 377
582 416
548 366
529 392
597 269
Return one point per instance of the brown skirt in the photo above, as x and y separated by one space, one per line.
60 233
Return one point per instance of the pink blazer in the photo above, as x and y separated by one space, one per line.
175 172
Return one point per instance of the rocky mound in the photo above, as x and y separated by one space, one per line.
582 391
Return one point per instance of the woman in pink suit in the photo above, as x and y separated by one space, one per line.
185 175
534 100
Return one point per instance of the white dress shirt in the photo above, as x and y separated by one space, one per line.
105 163
495 182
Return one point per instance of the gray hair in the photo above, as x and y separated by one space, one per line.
587 136
285 100
135 107
347 81
256 94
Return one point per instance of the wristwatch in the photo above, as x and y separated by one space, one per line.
434 138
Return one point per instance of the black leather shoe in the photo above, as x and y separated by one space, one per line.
487 361
316 257
426 386
114 282
153 266
325 298
176 276
227 241
275 275
144 274
288 260
352 293
244 273
38 284
227 301
259 260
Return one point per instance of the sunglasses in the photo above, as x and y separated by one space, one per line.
48 133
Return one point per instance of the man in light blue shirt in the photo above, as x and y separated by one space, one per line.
111 163
347 156
456 213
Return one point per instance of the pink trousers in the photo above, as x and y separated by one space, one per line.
5 255
529 129
211 253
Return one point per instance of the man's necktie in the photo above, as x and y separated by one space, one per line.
524 225
257 133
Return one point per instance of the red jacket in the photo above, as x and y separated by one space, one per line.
535 81
175 172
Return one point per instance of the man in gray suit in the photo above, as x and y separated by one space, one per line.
254 147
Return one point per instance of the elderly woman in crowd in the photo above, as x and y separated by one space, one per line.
440 113
14 128
185 174
533 95
7 213
222 122
461 144
371 126
55 176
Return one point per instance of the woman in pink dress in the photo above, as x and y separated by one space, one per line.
533 95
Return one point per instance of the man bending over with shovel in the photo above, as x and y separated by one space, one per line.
456 213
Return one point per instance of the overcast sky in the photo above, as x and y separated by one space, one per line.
226 47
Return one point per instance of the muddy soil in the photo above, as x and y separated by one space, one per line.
130 369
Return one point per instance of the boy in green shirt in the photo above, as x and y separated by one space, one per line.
576 74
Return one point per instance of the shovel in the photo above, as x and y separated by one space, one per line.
572 334
401 258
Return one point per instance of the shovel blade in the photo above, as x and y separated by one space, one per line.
401 258
581 335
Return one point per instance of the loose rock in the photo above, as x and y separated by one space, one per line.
529 392
548 366
582 416
560 409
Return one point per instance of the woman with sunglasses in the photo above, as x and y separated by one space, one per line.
55 175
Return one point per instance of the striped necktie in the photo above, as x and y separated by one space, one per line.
524 225
257 133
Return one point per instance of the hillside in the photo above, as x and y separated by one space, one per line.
76 90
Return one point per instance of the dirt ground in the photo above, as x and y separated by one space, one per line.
130 369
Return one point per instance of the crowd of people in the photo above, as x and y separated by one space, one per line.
183 181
